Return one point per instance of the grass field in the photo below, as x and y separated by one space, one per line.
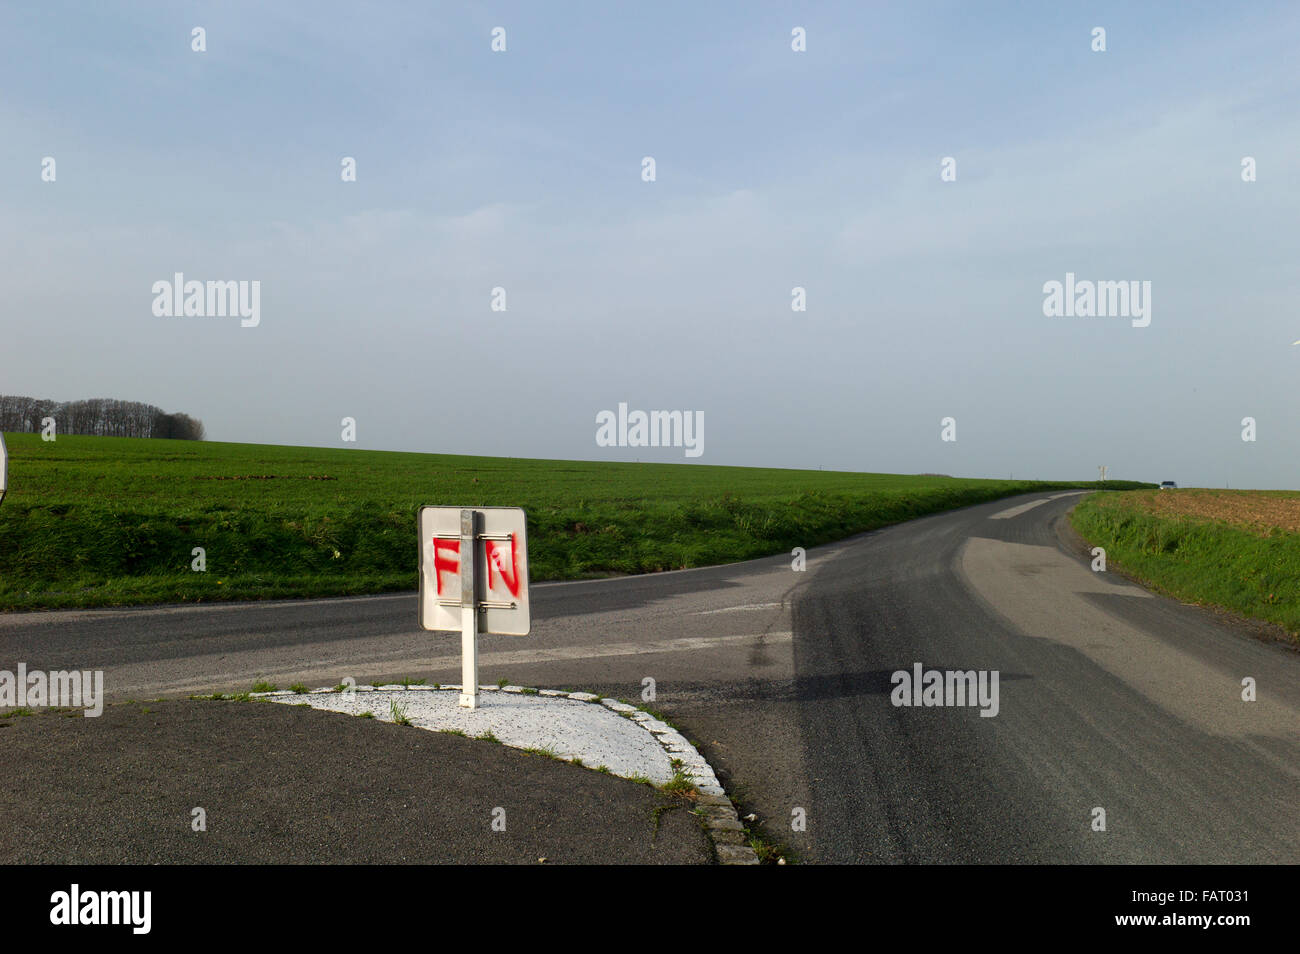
96 521
1237 549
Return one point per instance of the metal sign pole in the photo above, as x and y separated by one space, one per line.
468 611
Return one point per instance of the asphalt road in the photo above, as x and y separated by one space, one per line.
282 785
1109 698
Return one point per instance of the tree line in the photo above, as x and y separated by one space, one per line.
97 417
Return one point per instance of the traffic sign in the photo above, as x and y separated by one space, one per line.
474 578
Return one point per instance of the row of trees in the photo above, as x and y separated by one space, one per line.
98 417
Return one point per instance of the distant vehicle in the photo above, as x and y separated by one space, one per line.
1168 485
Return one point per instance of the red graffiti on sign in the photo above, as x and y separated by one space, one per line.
443 564
495 561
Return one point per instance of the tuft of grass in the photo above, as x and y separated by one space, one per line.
528 692
398 713
681 786
576 761
20 711
298 688
640 779
408 682
502 682
488 737
543 751
263 686
365 715
768 853
603 770
458 732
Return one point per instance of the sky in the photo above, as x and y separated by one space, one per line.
522 169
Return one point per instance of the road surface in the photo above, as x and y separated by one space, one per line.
1110 698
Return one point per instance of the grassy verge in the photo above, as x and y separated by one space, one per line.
1205 547
94 521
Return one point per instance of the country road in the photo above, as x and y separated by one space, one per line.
1110 697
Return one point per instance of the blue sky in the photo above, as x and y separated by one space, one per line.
774 169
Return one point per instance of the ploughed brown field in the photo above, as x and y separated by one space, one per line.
1259 511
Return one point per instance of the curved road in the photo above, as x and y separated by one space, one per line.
1108 697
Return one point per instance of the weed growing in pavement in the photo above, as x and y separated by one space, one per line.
543 751
399 713
680 785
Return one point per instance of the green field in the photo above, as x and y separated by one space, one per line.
97 521
1231 549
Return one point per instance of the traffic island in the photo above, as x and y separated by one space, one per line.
577 727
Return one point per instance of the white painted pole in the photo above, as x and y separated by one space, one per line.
468 612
